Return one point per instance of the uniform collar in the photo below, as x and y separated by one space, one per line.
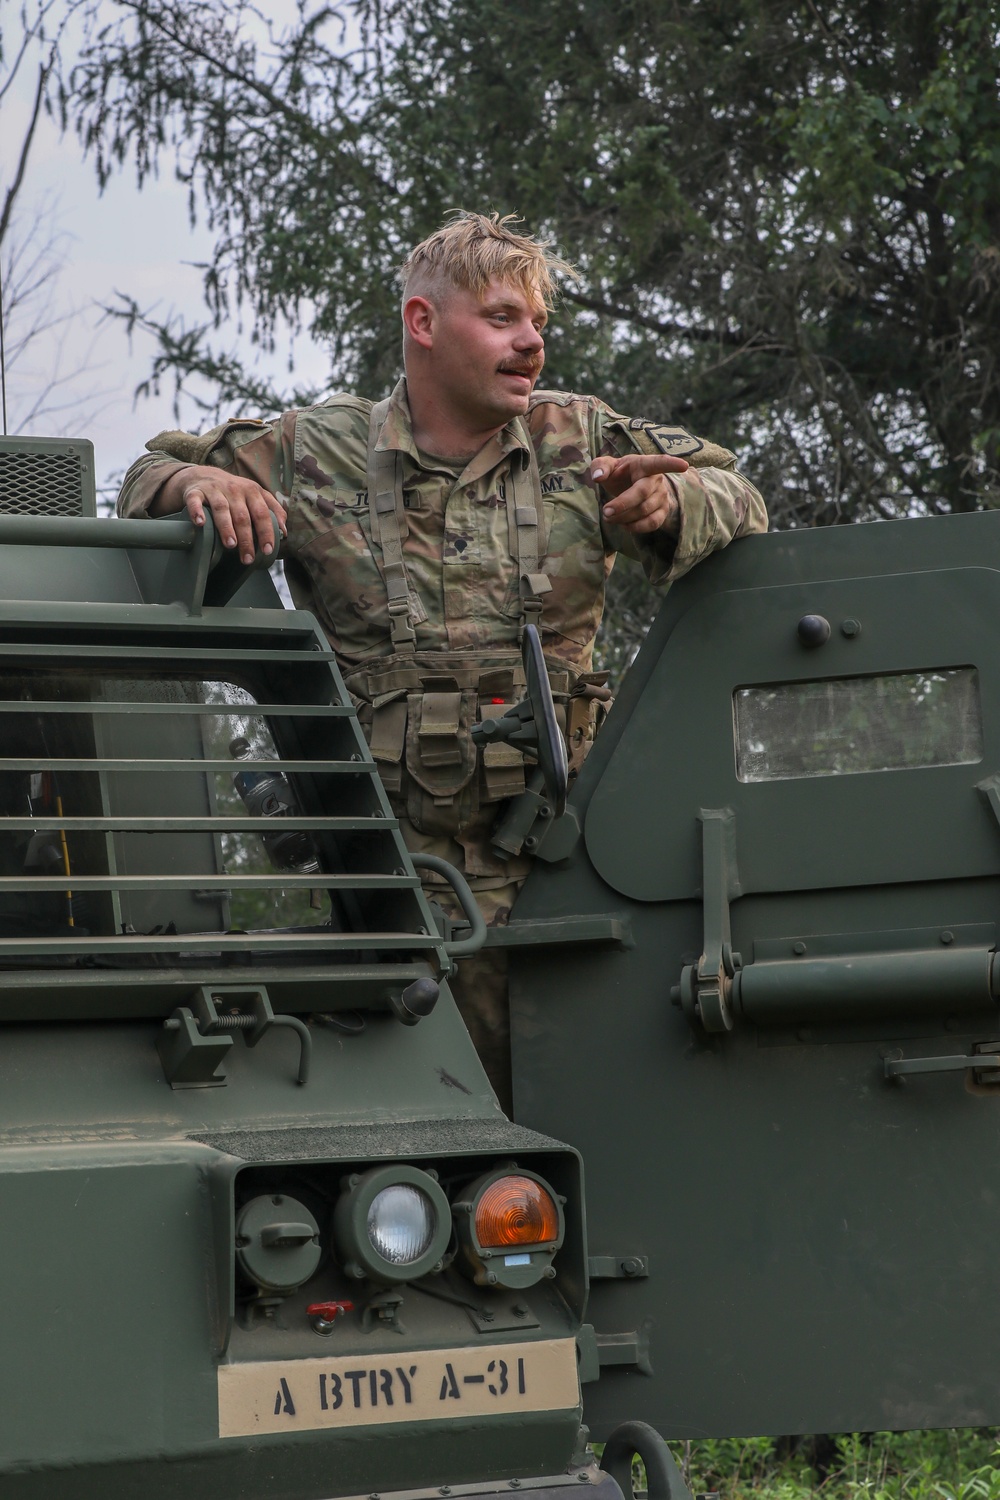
397 434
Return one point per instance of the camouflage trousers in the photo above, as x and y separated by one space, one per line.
479 984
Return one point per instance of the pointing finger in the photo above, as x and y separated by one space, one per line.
643 464
617 474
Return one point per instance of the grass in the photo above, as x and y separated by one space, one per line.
954 1464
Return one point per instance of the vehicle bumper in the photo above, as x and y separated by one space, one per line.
589 1478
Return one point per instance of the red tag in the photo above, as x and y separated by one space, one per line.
328 1311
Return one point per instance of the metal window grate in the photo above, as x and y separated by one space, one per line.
46 477
129 866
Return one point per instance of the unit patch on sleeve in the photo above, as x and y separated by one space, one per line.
672 440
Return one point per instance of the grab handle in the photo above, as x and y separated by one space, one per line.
460 947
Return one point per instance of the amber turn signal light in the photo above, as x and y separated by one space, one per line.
509 1226
516 1211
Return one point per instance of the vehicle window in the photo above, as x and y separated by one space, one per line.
844 726
82 748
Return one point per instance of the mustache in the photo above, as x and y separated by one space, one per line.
529 368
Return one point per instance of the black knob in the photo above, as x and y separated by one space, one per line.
814 630
420 997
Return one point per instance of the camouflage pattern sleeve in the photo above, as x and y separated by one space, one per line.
717 504
261 451
143 481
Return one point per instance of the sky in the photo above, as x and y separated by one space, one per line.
124 240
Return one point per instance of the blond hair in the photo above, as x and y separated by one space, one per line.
471 250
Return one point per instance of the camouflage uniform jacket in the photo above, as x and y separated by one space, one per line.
457 551
461 569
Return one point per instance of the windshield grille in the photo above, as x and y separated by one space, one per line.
184 809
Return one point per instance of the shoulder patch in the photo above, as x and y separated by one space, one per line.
672 440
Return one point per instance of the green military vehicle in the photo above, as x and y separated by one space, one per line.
264 1231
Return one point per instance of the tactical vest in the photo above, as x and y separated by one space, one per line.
418 708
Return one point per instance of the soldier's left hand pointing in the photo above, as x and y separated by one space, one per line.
644 498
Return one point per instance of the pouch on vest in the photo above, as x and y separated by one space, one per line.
387 737
503 764
588 706
441 759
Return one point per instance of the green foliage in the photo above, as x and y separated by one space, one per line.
784 214
952 1464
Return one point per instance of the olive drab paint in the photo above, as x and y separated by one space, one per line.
760 992
223 1001
754 990
423 573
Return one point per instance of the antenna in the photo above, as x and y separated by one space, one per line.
3 361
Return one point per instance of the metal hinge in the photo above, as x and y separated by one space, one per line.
194 1043
613 1267
597 1351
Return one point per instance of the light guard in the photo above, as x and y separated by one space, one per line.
378 1231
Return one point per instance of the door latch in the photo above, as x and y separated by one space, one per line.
705 992
984 1065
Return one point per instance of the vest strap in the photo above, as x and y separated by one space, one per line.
528 532
387 515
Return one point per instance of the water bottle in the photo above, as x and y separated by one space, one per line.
267 794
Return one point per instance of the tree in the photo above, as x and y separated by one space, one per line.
34 327
783 211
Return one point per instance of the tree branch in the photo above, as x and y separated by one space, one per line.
15 187
304 122
658 325
30 33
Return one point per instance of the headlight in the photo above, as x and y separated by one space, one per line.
509 1226
401 1223
391 1224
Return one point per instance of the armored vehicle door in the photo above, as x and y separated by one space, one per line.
759 992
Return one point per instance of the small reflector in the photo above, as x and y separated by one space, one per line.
515 1211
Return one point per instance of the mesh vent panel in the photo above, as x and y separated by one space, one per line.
41 484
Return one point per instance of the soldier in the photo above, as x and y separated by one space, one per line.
426 529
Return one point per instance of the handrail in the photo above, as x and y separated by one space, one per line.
215 823
180 763
459 947
274 880
35 706
168 534
320 940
